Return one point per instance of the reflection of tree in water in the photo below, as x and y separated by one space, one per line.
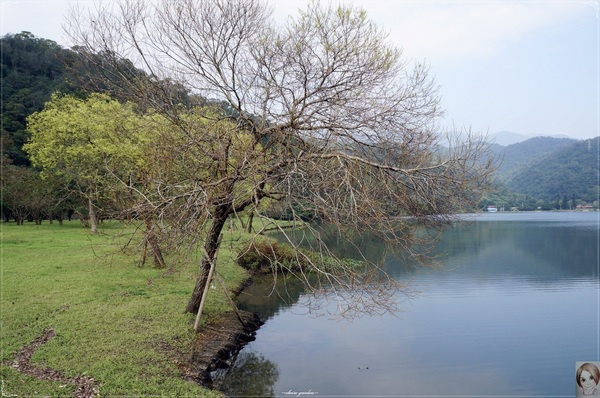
351 244
266 296
250 375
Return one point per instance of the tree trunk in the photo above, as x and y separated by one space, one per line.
159 261
210 250
207 285
84 221
93 221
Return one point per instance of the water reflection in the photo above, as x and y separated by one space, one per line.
266 296
515 296
351 245
541 251
251 375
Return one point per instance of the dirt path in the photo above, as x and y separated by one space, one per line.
85 386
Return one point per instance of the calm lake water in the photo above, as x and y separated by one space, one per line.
514 307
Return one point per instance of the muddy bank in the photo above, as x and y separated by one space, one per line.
217 343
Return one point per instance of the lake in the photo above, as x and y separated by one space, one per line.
514 307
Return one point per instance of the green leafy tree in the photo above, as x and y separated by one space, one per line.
77 139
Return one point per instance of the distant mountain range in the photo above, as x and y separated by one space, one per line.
507 137
550 168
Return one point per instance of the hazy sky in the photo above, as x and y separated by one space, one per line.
529 67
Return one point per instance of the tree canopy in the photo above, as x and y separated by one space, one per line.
322 116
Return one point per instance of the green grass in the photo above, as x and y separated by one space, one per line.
112 318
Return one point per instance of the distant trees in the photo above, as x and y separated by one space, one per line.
503 198
17 189
26 195
31 70
322 116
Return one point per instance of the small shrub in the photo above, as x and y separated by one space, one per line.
262 254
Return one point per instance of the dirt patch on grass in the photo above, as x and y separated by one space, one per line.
85 386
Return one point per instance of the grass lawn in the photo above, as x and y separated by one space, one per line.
112 319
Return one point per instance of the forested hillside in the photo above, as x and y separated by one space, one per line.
522 155
547 173
569 171
32 69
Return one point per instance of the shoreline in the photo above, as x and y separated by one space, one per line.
217 343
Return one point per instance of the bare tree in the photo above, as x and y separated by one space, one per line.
322 116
